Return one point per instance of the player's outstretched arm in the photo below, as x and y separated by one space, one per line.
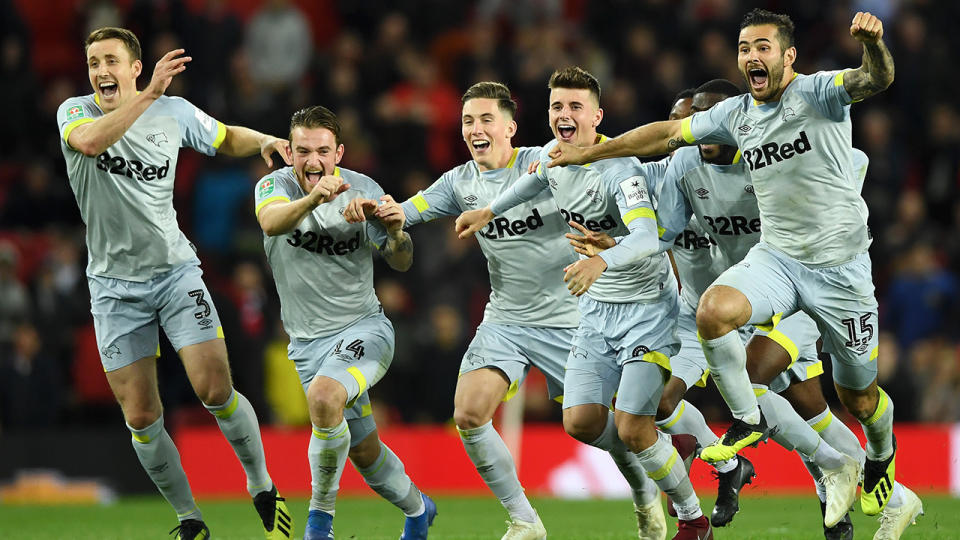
398 251
876 73
281 217
651 139
242 142
93 138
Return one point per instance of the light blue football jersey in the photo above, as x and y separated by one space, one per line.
798 153
125 194
525 248
323 268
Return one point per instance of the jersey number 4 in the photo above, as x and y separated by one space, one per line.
355 346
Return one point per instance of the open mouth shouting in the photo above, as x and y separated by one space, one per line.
757 77
566 132
312 176
108 89
480 146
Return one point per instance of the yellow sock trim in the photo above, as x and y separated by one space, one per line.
822 424
230 409
668 425
881 408
331 436
662 472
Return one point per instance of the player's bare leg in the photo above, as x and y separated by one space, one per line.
477 396
383 471
135 387
209 373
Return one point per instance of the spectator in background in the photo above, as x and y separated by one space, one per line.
14 300
32 389
279 45
922 298
37 202
218 33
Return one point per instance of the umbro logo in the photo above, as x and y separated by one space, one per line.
703 193
748 188
470 199
744 129
553 184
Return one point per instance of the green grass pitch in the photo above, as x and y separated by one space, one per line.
461 518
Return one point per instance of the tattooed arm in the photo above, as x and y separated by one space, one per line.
398 250
876 73
651 139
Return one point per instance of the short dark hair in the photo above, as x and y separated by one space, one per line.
317 116
686 93
722 87
128 38
492 90
574 77
783 23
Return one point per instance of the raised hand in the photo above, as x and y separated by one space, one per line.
166 69
471 221
390 213
866 28
359 209
327 188
589 243
269 145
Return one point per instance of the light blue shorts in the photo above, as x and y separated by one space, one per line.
357 357
513 349
611 336
840 299
126 314
798 335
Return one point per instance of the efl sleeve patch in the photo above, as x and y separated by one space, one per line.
75 112
265 188
634 190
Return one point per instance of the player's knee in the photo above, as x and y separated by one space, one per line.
582 427
469 417
861 404
142 418
720 312
326 400
213 391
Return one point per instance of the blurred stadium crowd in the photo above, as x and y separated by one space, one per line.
393 71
